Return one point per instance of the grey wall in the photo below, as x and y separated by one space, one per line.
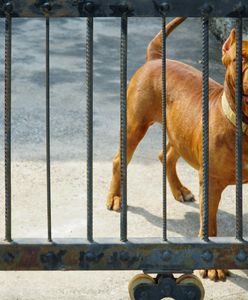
221 27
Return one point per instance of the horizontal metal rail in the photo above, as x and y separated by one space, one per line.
175 255
108 8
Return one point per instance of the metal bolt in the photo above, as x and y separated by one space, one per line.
241 256
123 8
206 9
8 7
89 7
90 256
207 256
49 258
167 255
164 7
124 256
47 7
8 257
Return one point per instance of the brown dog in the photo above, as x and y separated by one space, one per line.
184 124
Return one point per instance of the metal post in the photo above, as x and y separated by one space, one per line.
123 138
48 167
205 125
7 127
89 108
164 126
239 134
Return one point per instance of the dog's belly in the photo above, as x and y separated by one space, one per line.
184 125
185 141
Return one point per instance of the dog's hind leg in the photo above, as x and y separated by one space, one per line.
135 132
180 192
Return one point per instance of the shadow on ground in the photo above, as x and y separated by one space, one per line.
190 220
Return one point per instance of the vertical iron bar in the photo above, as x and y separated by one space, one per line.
89 108
7 127
49 215
123 125
164 126
238 145
205 127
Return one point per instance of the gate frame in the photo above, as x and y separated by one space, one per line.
151 255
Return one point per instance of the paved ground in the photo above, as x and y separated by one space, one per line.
68 154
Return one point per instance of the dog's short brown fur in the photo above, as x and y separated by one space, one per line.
184 124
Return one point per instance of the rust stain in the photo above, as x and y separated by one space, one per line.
29 258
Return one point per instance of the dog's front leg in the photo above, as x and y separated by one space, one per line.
214 196
135 132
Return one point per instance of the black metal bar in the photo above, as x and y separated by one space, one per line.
7 127
164 126
239 133
89 108
150 255
205 125
123 125
48 161
109 8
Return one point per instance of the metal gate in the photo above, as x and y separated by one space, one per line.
160 255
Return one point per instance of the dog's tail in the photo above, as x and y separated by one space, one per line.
154 49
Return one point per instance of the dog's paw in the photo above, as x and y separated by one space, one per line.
185 195
214 274
114 203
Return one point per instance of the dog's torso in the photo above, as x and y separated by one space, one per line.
184 116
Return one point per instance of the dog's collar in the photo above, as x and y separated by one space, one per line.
230 114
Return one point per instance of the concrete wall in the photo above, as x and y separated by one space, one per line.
221 27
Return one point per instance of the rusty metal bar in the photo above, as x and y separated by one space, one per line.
89 112
109 8
7 125
239 133
123 125
205 125
150 255
164 126
48 163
